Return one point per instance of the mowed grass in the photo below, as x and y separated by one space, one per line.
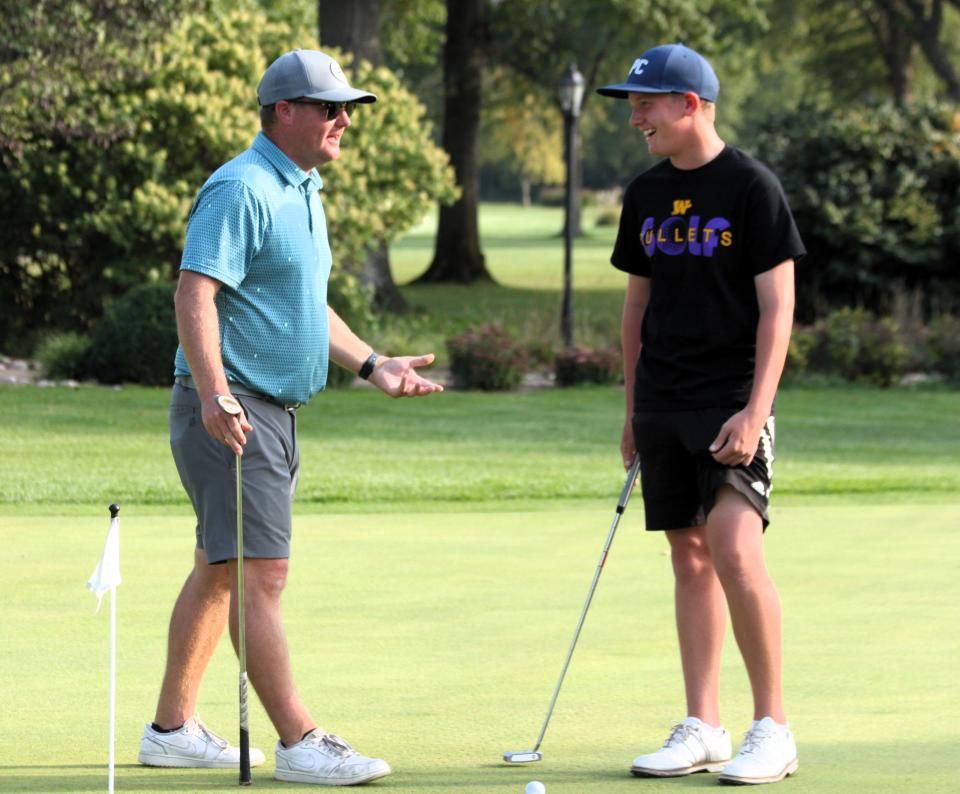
442 551
434 639
60 448
524 253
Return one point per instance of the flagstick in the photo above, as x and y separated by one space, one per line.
114 511
113 684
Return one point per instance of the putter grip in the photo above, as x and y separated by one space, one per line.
244 734
244 757
631 480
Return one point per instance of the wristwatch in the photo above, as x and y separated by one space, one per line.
367 369
228 404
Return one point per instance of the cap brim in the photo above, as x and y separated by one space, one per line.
343 95
621 90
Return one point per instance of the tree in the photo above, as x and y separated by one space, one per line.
355 28
518 134
87 216
923 21
457 255
538 39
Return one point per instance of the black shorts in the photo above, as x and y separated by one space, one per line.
680 477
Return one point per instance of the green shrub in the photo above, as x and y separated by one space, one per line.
136 340
486 358
856 345
607 216
944 346
64 356
802 341
875 191
100 169
351 300
584 365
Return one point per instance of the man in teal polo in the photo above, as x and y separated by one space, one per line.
255 326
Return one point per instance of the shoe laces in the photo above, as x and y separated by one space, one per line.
333 745
679 735
201 728
753 738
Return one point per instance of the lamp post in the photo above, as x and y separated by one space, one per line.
571 96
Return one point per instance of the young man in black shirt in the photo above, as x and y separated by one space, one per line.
709 244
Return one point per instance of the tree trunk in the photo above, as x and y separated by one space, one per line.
525 198
355 28
457 256
894 41
352 26
925 29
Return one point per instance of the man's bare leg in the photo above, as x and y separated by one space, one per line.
268 658
735 535
196 625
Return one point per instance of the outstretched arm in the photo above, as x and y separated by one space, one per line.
737 441
396 377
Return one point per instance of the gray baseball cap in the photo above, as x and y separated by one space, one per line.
307 73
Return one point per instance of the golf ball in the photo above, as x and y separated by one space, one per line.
535 787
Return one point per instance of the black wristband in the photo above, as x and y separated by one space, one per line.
367 369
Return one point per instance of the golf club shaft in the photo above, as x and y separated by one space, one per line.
632 475
245 779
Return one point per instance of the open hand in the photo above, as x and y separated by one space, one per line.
398 377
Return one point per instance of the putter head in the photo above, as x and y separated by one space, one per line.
522 757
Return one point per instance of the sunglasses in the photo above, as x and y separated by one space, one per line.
330 110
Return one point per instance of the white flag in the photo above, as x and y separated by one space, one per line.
106 576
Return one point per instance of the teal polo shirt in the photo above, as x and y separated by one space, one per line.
257 226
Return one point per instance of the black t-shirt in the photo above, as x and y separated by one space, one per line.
702 236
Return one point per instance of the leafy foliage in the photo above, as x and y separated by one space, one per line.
97 187
856 345
944 345
584 365
486 358
64 355
875 192
136 339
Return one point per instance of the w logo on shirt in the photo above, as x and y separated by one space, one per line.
680 206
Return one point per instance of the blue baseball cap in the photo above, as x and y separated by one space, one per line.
668 69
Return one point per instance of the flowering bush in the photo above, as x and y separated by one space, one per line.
583 365
486 358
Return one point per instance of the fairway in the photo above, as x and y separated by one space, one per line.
435 640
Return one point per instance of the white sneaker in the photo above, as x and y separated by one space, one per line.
693 746
327 760
193 745
768 754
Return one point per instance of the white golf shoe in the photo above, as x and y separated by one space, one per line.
194 745
327 760
693 746
768 754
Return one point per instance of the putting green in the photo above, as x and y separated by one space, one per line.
434 640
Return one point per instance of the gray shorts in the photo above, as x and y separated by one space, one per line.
207 468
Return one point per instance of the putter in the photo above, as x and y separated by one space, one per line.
229 404
245 779
526 756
